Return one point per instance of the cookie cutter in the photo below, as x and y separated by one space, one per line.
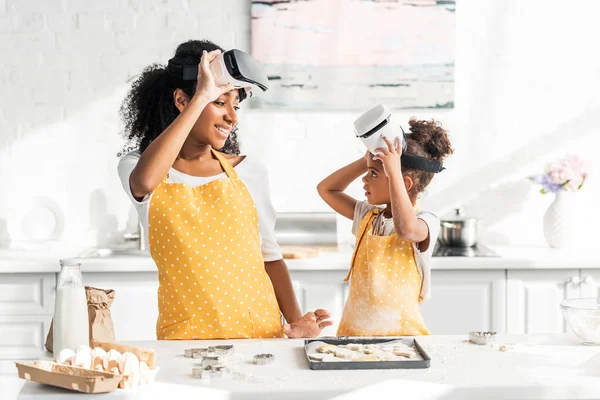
210 371
208 361
195 353
221 349
263 359
481 338
199 353
218 367
197 372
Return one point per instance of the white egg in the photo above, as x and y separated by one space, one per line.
129 364
84 348
98 354
111 360
82 359
65 356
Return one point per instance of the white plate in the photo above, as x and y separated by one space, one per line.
36 220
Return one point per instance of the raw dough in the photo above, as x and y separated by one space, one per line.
394 350
327 348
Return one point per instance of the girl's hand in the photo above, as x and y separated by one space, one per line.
390 157
206 86
310 325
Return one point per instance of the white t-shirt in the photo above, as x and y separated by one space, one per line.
251 172
385 227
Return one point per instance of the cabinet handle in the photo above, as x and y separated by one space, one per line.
575 280
587 280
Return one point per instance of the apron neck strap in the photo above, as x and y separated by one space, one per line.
361 233
226 165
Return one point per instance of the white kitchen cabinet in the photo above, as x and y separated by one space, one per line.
321 289
513 301
23 336
462 301
135 308
533 299
27 294
466 300
26 308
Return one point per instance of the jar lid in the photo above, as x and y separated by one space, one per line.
66 262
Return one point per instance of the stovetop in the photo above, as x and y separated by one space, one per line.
475 251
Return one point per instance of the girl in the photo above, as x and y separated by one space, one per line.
390 265
206 214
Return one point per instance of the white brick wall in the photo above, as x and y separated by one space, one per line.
522 98
28 6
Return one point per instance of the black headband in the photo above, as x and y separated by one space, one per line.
187 70
420 163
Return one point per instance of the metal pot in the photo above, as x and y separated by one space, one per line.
459 230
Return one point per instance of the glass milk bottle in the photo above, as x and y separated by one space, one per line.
71 326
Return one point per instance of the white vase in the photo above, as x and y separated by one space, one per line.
561 221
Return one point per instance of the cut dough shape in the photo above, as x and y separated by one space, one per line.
317 357
354 346
327 348
405 353
345 354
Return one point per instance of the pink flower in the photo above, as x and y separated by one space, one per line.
567 174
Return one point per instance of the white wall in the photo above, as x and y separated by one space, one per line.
527 80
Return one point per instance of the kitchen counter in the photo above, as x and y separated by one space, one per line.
534 367
511 257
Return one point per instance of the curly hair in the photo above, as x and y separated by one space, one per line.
427 139
148 108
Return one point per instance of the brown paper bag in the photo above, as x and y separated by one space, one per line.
102 328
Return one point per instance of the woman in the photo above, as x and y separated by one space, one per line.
207 213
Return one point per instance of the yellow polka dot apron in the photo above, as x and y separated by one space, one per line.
384 286
206 245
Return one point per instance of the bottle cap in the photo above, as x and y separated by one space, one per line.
64 262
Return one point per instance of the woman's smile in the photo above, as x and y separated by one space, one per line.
223 130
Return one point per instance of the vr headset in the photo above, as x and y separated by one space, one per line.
231 67
372 126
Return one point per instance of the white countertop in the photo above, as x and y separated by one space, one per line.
536 367
510 257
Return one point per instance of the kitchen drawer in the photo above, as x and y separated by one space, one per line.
23 336
27 294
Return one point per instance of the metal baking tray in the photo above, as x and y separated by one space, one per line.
404 364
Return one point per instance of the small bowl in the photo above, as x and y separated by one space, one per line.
583 317
481 338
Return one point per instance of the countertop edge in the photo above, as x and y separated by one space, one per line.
510 258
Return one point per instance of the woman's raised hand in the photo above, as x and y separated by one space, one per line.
207 87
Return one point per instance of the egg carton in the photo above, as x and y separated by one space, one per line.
89 380
143 377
